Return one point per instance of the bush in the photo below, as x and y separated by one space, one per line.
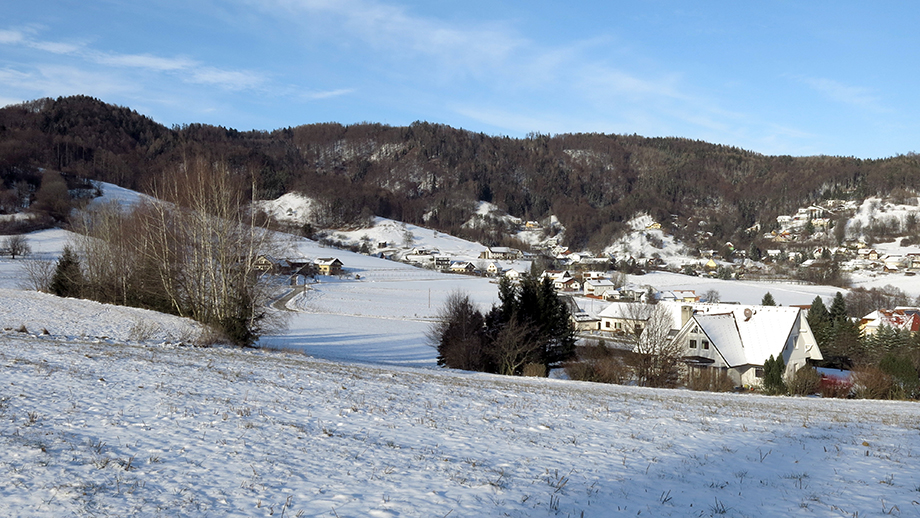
534 370
903 374
711 380
773 370
805 382
598 363
870 382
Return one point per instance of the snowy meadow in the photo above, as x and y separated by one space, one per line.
102 428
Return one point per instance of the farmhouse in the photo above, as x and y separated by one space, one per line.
328 266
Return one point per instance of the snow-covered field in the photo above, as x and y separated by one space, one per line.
107 429
345 414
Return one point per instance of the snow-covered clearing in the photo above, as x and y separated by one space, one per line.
105 429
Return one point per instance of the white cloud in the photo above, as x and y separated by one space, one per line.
146 61
846 94
314 96
229 79
10 37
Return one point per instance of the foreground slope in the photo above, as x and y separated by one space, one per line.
106 429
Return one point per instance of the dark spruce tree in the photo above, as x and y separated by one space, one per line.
67 280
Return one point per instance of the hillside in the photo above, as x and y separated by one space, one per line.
434 175
108 429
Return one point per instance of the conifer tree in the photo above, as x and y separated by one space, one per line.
67 280
767 300
773 370
819 320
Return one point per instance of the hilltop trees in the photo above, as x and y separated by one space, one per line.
529 330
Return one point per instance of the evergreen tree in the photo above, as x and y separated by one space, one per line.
819 320
767 300
67 280
838 311
459 335
540 320
773 370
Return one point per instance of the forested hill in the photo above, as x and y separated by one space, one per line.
431 174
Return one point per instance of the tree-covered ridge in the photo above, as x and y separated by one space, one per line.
432 174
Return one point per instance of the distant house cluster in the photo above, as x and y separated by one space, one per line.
298 267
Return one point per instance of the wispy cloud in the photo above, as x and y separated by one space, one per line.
852 95
145 61
229 79
315 96
451 48
187 69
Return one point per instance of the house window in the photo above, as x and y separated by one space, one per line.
608 323
706 344
619 325
693 344
758 372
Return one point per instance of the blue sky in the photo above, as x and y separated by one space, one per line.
776 77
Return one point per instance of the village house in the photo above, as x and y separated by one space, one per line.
514 275
622 318
462 267
582 320
328 266
678 296
598 287
738 339
500 252
271 265
568 284
900 318
493 269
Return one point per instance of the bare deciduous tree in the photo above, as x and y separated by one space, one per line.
38 274
192 252
16 245
656 358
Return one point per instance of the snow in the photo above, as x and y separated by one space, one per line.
740 291
646 241
108 429
345 414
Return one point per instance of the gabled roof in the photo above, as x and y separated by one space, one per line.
746 335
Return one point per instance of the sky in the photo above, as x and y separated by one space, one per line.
776 77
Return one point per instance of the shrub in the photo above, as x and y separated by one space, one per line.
773 376
598 363
871 382
903 374
805 382
711 380
534 370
